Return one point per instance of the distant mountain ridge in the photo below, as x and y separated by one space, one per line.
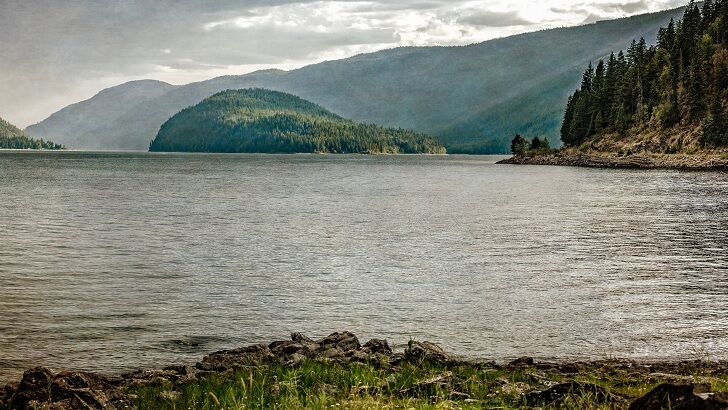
264 121
94 123
473 98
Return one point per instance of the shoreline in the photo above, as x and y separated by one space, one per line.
340 370
694 162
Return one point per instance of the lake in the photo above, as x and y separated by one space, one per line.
115 261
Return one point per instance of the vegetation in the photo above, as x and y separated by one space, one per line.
520 147
11 137
681 82
258 120
425 385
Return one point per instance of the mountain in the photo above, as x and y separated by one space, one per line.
11 137
258 120
95 123
474 98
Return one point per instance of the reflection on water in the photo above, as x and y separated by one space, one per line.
116 261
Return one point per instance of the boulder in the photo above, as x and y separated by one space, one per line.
223 360
345 341
34 386
681 396
425 351
88 389
379 346
301 338
524 361
295 359
332 353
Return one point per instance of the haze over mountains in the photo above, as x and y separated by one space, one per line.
473 98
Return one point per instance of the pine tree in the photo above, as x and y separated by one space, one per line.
518 146
683 80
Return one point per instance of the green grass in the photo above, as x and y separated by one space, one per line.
316 385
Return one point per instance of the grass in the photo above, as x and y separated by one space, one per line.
318 385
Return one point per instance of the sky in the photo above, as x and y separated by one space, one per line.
57 52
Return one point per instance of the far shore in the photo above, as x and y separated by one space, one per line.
595 159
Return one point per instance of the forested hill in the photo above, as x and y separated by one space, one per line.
258 120
473 98
668 98
13 138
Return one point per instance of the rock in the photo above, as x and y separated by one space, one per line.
34 386
419 351
254 355
524 361
717 401
88 388
295 360
681 396
608 159
172 374
378 346
514 388
301 338
430 385
360 356
287 348
170 395
345 341
396 359
439 380
558 392
332 353
6 393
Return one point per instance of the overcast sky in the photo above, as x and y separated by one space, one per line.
56 52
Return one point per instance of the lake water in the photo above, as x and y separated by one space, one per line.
114 261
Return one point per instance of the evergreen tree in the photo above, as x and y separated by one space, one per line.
518 146
683 80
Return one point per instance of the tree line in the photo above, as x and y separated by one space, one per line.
536 146
265 121
12 137
683 80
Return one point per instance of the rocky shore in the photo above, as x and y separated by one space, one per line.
636 161
340 369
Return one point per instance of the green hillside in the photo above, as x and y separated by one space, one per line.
258 120
11 137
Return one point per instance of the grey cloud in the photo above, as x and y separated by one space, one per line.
628 7
494 19
592 18
596 11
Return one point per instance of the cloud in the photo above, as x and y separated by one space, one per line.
495 19
629 7
589 12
